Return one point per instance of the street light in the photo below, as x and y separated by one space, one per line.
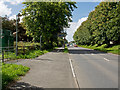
17 16
40 41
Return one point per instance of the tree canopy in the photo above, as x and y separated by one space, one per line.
47 19
102 25
8 24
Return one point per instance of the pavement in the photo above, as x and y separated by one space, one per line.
94 69
51 70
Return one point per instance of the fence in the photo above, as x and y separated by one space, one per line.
8 53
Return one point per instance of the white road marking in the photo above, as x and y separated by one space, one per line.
72 68
106 59
58 50
92 54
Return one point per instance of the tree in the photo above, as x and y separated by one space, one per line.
8 24
102 25
47 19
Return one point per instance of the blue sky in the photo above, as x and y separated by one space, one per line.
11 8
79 15
83 10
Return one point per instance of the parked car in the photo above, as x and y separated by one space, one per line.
75 46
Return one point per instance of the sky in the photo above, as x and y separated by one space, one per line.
12 7
79 15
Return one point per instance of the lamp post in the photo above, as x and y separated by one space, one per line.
17 16
40 41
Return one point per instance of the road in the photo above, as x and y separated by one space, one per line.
82 69
51 70
94 69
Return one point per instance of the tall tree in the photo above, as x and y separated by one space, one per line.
47 19
102 25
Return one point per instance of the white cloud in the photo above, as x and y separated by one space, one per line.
73 28
88 0
4 10
15 2
21 18
12 17
80 21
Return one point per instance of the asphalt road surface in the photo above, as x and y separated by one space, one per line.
94 69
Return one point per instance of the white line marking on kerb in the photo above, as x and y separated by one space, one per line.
92 54
106 59
72 68
58 50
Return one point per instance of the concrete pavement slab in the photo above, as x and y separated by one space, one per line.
51 70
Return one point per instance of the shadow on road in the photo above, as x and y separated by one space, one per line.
84 51
24 86
43 59
27 86
58 50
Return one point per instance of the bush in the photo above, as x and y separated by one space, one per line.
66 49
104 46
11 72
95 45
28 55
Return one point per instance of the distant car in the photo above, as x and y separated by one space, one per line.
75 46
67 44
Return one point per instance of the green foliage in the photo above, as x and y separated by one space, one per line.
102 25
28 55
104 46
114 49
26 43
95 45
11 72
66 49
47 19
8 24
32 51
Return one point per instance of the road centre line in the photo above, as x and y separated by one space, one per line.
100 56
74 76
72 68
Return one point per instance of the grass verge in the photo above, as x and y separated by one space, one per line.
11 72
29 55
114 49
66 49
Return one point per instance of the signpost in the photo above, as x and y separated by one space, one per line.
17 17
62 35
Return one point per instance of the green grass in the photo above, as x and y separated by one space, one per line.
66 49
26 43
12 72
114 49
29 55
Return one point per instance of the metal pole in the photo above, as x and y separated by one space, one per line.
16 36
40 41
2 56
64 42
